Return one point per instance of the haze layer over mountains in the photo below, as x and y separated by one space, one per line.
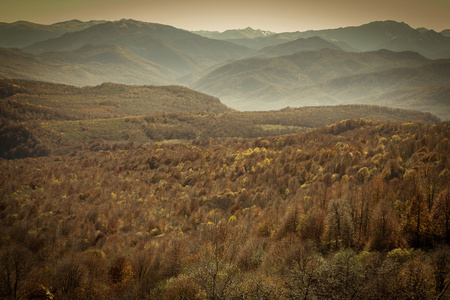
384 63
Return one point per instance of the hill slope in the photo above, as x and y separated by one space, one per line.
424 88
435 99
21 34
20 64
85 66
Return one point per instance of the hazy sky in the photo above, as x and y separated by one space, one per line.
274 15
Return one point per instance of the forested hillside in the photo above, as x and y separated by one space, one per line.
106 100
358 209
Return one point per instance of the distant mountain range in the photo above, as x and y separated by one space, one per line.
382 63
176 49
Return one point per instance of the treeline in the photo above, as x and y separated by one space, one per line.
184 126
189 126
60 132
316 116
358 209
16 111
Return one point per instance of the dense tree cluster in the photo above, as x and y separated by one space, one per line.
359 209
18 141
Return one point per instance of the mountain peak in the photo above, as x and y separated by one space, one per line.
422 29
389 24
129 22
69 21
234 34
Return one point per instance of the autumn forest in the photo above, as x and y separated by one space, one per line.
143 161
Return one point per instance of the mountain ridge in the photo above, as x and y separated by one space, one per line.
389 34
301 44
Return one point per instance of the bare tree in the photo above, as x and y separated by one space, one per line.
16 263
339 223
303 276
211 266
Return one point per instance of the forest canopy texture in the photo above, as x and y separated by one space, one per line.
359 209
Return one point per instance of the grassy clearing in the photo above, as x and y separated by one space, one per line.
282 127
111 130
